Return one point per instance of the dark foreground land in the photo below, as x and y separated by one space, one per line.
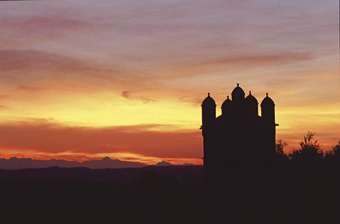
245 196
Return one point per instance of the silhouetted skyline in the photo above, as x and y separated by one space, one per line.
239 135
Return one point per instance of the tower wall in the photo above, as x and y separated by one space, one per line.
208 132
268 113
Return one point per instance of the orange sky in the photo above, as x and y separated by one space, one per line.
125 79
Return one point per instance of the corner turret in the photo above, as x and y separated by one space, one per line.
208 111
268 109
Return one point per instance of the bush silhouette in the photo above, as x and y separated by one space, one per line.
310 151
336 151
332 158
279 147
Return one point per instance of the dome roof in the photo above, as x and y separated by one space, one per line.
226 103
208 101
251 98
237 93
267 101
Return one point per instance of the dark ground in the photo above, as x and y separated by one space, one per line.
157 196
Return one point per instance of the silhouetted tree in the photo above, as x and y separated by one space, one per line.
279 147
336 150
281 157
309 150
334 154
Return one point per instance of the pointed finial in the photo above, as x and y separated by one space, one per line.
227 97
238 84
209 94
249 92
266 94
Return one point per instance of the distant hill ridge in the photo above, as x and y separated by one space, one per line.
23 163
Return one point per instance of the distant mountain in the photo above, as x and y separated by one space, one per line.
163 163
109 163
17 164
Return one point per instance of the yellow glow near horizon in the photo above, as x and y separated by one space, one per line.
101 111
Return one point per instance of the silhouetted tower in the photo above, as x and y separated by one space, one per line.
208 124
251 106
268 116
227 107
208 111
268 109
237 97
237 94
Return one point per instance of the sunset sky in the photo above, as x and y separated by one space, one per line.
83 79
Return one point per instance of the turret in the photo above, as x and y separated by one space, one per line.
268 110
238 94
208 111
208 121
226 107
268 115
251 105
237 97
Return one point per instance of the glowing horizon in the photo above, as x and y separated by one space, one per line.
82 157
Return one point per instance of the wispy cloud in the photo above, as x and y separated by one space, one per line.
34 60
279 58
136 96
23 88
